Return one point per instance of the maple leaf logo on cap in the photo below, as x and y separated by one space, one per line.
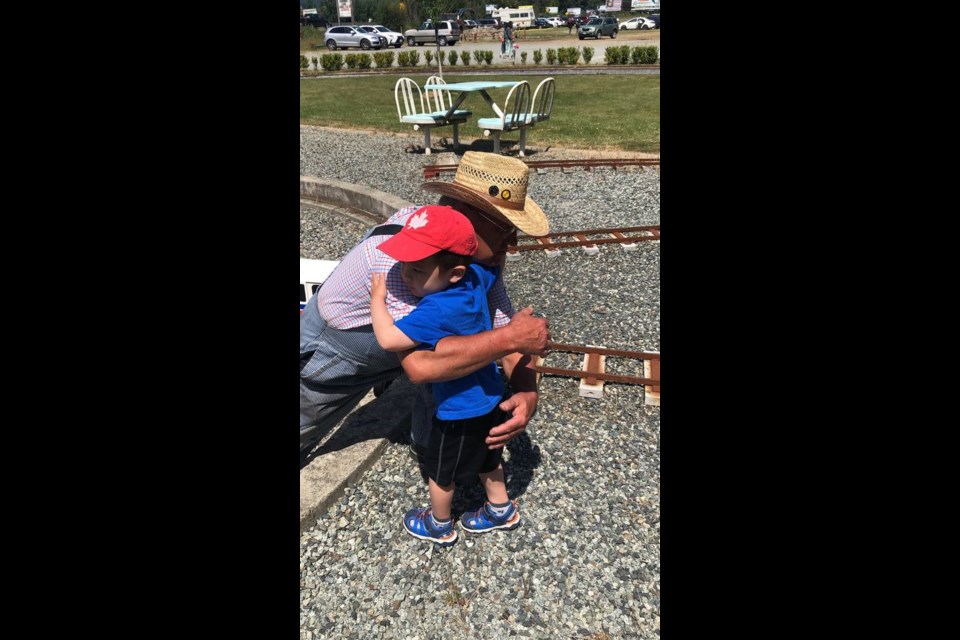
417 221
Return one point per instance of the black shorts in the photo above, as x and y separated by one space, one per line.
457 450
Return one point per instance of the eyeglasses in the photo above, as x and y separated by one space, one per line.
504 230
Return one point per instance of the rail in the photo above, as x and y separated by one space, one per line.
432 171
592 373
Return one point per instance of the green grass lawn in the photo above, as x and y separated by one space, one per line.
589 112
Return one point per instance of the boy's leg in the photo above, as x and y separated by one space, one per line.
498 512
434 523
495 486
442 497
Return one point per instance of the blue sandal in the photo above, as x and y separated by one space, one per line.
419 524
483 520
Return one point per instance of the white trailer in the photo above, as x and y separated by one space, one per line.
519 18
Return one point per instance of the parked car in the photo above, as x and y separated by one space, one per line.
470 24
394 39
638 23
541 23
489 22
597 27
557 22
448 33
313 20
656 19
345 37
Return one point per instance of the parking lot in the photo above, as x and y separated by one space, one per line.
530 44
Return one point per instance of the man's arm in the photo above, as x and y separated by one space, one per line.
457 356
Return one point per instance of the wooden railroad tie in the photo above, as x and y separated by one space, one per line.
592 373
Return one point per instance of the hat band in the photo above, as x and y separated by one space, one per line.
499 202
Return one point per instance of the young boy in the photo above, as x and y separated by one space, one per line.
433 250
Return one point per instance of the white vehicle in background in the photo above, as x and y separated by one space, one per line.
394 39
519 18
312 275
557 22
638 23
345 36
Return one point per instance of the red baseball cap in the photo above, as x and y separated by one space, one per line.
429 230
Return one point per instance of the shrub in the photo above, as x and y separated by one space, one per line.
403 59
451 58
653 54
465 57
304 64
644 55
364 60
537 56
429 56
414 58
488 57
617 55
587 54
332 61
478 56
351 59
552 57
383 58
316 63
523 57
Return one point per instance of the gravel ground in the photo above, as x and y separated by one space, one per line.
585 562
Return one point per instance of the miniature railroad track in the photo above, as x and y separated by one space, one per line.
592 373
340 207
433 170
615 236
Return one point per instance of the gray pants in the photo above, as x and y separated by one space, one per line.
337 368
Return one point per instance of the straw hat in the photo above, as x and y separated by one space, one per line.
498 185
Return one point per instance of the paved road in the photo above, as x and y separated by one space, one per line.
632 38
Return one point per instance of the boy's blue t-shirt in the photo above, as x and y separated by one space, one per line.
459 310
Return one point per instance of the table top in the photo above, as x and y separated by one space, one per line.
469 86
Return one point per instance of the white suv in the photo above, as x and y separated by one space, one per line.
393 38
344 37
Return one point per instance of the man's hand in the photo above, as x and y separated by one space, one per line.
523 404
531 335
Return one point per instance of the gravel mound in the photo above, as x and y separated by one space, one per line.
585 562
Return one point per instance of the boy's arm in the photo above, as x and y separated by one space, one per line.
389 337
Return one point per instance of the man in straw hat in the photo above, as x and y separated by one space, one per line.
340 360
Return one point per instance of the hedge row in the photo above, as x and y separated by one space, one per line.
562 55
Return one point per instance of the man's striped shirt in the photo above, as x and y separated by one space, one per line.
344 298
